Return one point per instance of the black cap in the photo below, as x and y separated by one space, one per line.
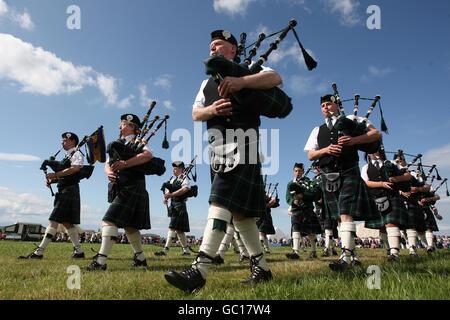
178 164
299 165
328 98
131 118
223 35
70 136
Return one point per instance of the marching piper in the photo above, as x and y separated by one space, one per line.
129 208
304 220
179 218
345 195
384 185
67 200
237 190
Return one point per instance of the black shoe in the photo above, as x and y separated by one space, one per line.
339 265
334 252
293 255
218 260
326 253
429 250
393 258
137 262
266 251
76 255
160 253
356 263
413 255
190 279
185 253
258 274
31 256
313 255
95 265
243 258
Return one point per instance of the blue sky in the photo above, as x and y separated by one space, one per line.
54 79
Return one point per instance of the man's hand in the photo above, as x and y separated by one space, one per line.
165 201
167 196
334 150
387 185
405 194
346 141
112 176
221 107
118 165
229 85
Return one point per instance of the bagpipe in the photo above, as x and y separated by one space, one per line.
95 152
266 102
118 150
310 189
269 194
353 128
177 184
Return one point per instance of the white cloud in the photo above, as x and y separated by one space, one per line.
347 9
304 85
23 19
439 156
18 157
19 206
379 72
3 8
168 104
144 100
42 72
232 7
164 81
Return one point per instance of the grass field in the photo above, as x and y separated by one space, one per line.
424 278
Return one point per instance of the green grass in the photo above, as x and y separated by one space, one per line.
424 278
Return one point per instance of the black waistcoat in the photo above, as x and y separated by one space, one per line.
349 155
376 175
239 119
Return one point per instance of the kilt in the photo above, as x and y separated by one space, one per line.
416 218
265 224
395 214
352 198
66 207
179 219
430 221
305 221
327 223
240 190
130 207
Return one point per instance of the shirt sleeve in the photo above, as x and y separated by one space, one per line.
186 184
312 143
77 159
200 98
364 174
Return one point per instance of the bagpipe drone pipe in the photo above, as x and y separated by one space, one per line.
118 150
95 152
266 102
269 194
353 128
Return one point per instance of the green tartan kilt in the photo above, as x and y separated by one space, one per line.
66 206
327 223
352 198
130 207
240 190
416 219
395 214
179 219
305 221
430 221
265 224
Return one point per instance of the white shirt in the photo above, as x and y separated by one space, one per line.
313 143
77 158
364 169
200 98
184 184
